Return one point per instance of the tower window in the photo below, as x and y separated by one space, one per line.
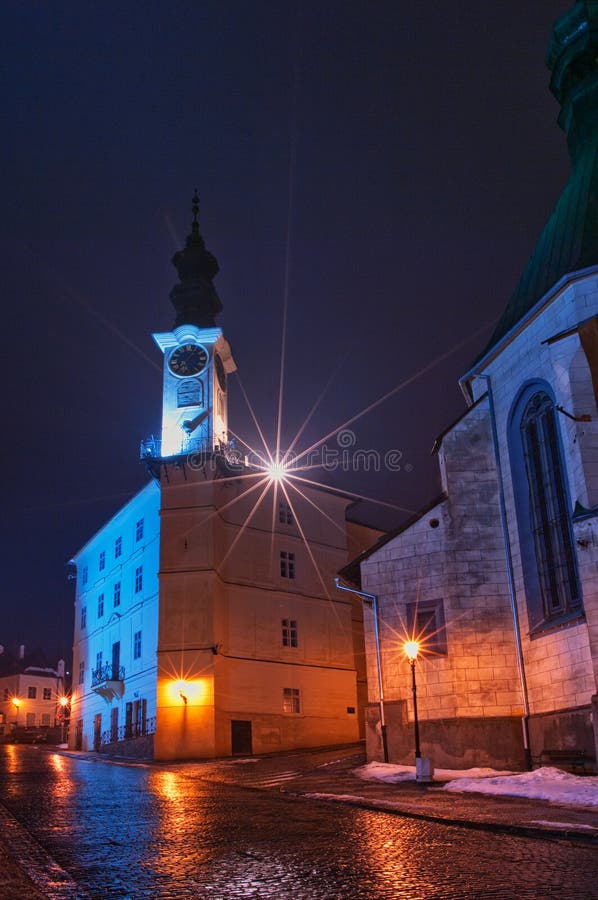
118 547
287 564
100 606
137 645
102 563
291 700
139 530
189 393
138 579
116 596
289 633
285 516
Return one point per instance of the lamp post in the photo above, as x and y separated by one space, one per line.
16 703
411 649
63 702
373 600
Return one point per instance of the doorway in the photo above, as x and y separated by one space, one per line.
240 737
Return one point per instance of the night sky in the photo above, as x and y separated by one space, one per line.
426 161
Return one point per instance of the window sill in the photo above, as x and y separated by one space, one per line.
567 620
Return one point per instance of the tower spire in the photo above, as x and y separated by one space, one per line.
194 297
569 241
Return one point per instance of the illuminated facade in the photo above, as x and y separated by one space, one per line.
499 574
218 631
29 696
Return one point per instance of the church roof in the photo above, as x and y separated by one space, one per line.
569 241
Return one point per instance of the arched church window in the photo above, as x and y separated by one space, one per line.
543 512
189 393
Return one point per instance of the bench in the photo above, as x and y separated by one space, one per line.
576 760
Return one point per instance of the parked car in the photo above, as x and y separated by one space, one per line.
29 736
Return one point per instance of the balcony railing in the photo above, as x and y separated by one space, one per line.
129 731
108 681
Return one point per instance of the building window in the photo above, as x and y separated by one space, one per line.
287 564
189 393
102 563
81 672
100 606
117 593
138 579
139 530
285 516
118 547
83 617
425 623
32 693
547 549
45 719
99 660
30 720
137 645
289 633
47 693
291 700
84 575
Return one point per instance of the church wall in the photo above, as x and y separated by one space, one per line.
469 694
561 663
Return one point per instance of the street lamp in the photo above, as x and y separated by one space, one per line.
63 702
16 703
423 766
411 649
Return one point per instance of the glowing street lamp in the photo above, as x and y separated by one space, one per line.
63 702
16 703
411 649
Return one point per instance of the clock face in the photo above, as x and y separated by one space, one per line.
220 373
190 359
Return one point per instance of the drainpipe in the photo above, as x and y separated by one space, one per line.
510 574
372 599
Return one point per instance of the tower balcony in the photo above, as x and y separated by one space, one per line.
108 681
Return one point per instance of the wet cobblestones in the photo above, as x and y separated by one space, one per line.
121 833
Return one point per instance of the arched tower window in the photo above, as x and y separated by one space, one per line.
189 393
553 591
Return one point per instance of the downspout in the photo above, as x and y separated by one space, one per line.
510 574
373 600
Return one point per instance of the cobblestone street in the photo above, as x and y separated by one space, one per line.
87 828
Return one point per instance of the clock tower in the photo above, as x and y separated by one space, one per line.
197 358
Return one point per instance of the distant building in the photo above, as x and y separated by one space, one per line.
206 620
498 576
30 693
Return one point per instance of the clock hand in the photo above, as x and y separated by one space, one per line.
189 425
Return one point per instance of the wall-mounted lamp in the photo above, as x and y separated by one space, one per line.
583 418
183 697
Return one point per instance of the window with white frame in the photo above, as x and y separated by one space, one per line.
285 516
139 530
116 594
118 547
291 700
47 693
83 617
102 561
137 645
138 579
31 693
289 633
287 564
99 660
100 606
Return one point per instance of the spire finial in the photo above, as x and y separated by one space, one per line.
195 206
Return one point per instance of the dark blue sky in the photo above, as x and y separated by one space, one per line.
426 161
